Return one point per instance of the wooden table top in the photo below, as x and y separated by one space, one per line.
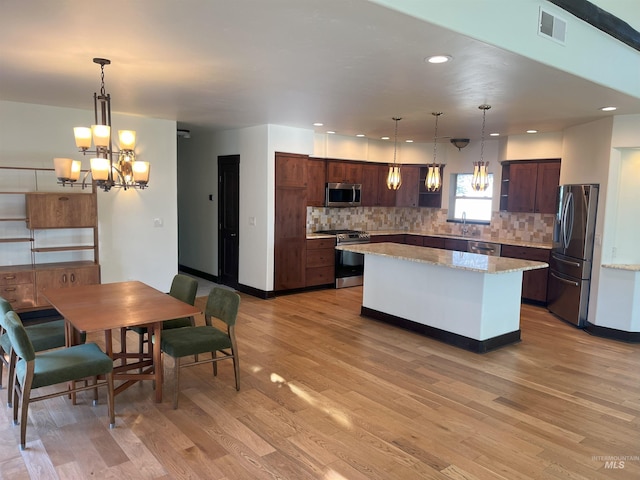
91 308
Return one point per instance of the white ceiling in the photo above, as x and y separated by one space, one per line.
225 64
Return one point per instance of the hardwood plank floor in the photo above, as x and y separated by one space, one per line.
327 394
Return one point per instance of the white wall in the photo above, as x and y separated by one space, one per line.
533 146
131 248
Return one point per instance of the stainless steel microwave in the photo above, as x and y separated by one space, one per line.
343 195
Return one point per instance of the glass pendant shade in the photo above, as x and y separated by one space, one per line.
100 168
394 178
101 135
76 167
62 167
480 180
141 172
127 139
433 182
83 137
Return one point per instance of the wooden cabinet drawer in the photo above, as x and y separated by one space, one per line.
387 238
320 276
526 253
58 210
456 244
19 295
414 240
321 258
317 243
433 242
16 278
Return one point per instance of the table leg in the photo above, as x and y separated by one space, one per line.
157 359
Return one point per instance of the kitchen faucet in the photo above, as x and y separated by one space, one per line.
465 229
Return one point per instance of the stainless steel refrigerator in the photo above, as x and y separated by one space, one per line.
572 253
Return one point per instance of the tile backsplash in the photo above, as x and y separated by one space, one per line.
528 227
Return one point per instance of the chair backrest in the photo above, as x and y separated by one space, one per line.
18 337
223 304
184 288
5 307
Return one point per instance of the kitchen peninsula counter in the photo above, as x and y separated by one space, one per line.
465 299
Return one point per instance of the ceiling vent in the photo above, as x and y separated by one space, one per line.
552 27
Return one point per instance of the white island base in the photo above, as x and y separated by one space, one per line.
464 299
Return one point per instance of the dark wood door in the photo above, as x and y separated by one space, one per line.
228 219
407 194
386 196
369 195
316 181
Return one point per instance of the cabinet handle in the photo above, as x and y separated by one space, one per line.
64 278
10 277
12 289
73 277
63 199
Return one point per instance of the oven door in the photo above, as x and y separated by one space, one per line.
349 269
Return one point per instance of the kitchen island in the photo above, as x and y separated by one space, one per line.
465 299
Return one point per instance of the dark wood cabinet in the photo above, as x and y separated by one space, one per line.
530 186
414 240
290 221
374 186
344 171
534 282
316 182
407 194
456 244
427 198
320 265
433 242
397 238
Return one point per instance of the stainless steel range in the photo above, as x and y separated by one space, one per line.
349 265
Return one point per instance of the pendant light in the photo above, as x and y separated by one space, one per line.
394 179
433 181
480 180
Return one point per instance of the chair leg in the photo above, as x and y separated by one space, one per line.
176 381
236 368
111 400
10 377
214 364
24 414
2 360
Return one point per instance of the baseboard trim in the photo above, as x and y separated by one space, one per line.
612 333
476 346
255 292
198 273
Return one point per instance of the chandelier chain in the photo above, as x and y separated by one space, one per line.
435 136
102 89
395 139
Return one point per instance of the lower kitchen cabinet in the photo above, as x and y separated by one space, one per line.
456 244
433 242
388 238
534 282
320 265
64 275
414 240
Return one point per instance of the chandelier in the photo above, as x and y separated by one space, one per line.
394 179
433 181
480 180
109 168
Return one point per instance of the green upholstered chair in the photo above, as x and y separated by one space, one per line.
54 367
183 288
43 336
182 342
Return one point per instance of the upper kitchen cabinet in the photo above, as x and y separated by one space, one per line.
427 198
316 181
291 170
408 193
374 186
343 171
530 186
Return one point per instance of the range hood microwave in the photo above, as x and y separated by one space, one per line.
343 195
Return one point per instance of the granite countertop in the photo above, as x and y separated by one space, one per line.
502 241
446 258
623 266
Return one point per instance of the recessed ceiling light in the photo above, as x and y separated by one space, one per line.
409 141
384 138
438 59
361 135
331 132
608 109
494 134
318 124
532 131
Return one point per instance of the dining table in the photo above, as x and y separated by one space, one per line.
117 306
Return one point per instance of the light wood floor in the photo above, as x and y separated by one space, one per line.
327 394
